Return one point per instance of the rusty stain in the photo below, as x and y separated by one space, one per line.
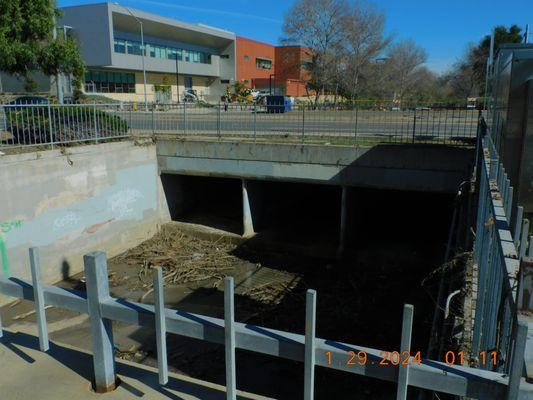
95 227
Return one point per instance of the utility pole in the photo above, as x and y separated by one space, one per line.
143 50
177 77
526 34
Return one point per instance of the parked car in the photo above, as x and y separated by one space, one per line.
19 102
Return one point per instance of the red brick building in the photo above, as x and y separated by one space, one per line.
262 65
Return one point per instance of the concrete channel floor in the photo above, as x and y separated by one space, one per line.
64 372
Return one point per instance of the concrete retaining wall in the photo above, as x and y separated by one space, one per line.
96 197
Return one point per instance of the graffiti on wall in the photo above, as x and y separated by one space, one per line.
5 228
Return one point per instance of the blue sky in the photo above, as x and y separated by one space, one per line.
443 28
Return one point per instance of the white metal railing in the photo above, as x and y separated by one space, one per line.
312 351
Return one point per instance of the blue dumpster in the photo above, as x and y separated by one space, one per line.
278 104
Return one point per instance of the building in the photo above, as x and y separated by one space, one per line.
280 69
178 55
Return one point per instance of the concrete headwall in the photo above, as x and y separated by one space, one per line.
97 197
418 167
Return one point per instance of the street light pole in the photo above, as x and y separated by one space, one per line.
143 52
177 77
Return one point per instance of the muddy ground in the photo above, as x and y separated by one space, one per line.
359 301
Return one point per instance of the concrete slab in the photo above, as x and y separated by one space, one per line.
65 372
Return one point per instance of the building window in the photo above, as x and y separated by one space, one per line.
134 48
173 53
120 46
109 82
263 63
197 57
224 81
246 58
224 56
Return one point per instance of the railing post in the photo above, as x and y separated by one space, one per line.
160 326
255 122
303 124
153 119
414 125
517 361
229 330
38 299
184 117
309 357
96 134
52 135
219 122
405 347
101 328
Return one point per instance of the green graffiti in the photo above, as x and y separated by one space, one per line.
6 227
3 255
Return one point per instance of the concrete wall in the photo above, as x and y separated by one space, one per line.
430 168
96 197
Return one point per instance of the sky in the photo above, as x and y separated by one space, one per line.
443 28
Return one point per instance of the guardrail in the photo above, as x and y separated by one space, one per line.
357 124
501 242
402 367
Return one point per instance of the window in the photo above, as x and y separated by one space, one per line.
224 56
158 51
226 81
246 58
134 48
197 57
187 81
263 63
173 53
110 82
120 46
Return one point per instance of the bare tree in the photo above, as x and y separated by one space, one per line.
364 40
317 24
403 61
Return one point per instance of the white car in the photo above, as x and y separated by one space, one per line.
255 93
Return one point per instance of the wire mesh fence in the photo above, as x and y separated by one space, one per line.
346 124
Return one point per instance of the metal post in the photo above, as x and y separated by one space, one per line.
229 330
309 356
522 249
517 361
303 124
52 134
518 224
530 250
59 88
96 134
355 129
153 119
160 326
403 370
219 122
414 125
38 298
95 265
255 122
184 117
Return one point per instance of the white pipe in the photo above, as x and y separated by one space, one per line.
448 300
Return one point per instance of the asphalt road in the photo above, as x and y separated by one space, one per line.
398 124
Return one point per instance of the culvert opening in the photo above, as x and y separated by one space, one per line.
213 202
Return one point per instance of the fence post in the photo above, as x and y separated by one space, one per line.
184 117
229 330
517 361
255 122
310 332
414 125
356 122
160 326
303 124
219 122
38 299
95 266
52 135
96 134
153 119
403 370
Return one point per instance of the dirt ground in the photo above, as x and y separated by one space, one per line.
359 301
